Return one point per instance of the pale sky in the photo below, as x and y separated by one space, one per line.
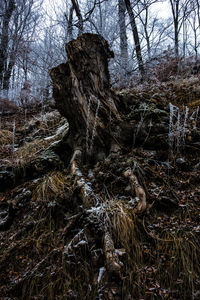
162 9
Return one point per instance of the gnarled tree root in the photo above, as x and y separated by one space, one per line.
113 264
140 193
86 192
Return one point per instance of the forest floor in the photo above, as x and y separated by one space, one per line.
54 245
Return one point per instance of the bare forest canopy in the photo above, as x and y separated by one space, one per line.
147 46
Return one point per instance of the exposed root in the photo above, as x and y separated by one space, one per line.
113 264
80 237
140 193
86 192
71 223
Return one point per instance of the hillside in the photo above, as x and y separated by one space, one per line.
81 236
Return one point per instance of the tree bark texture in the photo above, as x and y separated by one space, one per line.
99 122
81 88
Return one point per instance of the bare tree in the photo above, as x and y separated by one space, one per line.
18 35
198 11
148 20
8 8
136 38
68 16
194 22
180 12
70 27
123 37
79 16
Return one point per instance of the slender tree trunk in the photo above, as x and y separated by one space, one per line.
7 75
146 32
184 39
8 70
70 21
198 11
123 39
100 19
176 38
195 39
136 38
4 39
79 16
198 20
175 14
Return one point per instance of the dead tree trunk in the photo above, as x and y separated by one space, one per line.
81 89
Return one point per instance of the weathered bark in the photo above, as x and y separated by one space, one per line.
81 89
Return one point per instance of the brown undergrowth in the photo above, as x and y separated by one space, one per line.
55 247
57 254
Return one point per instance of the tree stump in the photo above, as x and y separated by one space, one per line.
81 89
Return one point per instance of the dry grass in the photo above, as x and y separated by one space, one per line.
45 237
186 91
195 103
167 260
47 121
192 81
50 187
5 137
178 253
30 150
127 233
120 221
172 257
48 237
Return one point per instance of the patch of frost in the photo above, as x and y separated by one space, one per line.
101 270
